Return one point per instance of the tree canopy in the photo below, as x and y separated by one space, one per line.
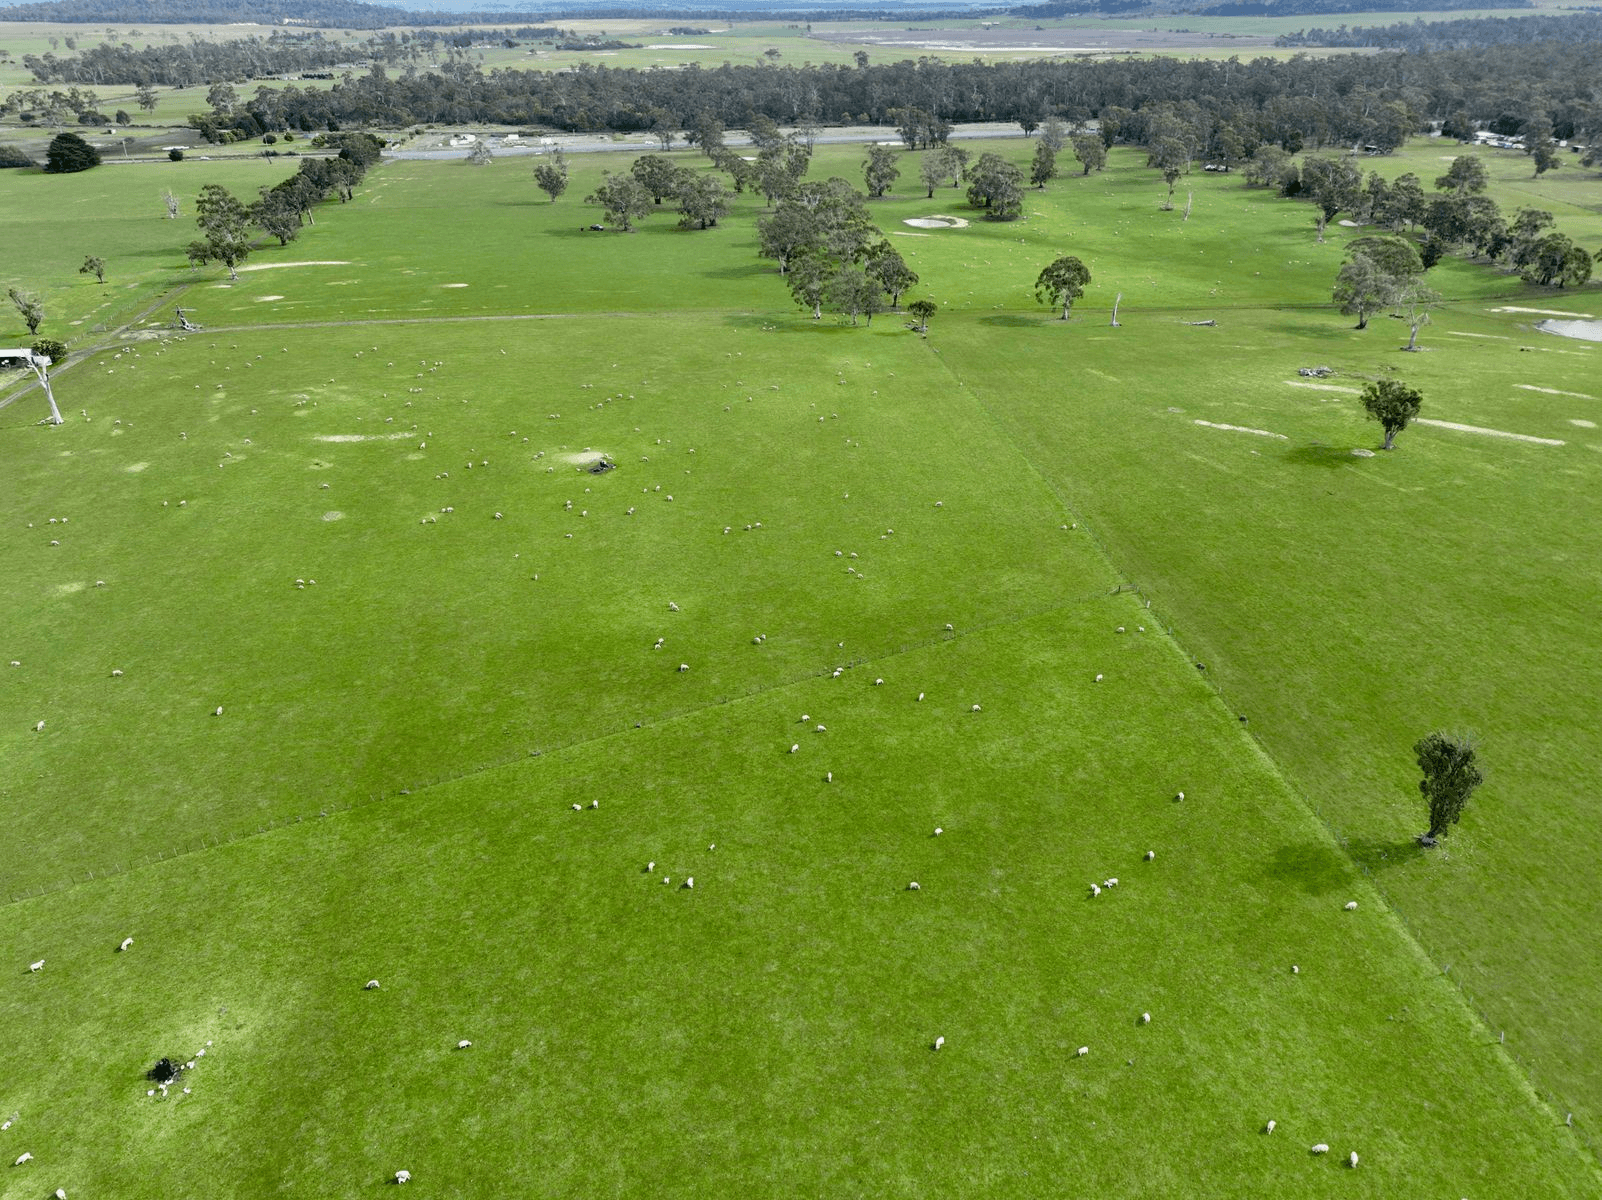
1451 774
1062 282
1393 404
68 153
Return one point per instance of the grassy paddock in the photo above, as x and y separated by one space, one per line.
769 1032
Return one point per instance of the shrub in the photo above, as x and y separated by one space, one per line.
10 156
176 155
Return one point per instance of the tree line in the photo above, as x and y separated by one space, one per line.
1570 28
1298 103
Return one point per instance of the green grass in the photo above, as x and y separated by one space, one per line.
769 1032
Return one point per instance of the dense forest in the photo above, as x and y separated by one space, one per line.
185 64
1572 28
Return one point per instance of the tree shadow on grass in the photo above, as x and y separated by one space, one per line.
1318 455
1011 321
1314 867
1381 854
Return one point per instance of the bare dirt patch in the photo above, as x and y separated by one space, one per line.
1324 387
324 262
1530 387
1243 429
938 221
1501 433
1543 312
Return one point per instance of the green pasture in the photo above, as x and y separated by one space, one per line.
51 223
980 517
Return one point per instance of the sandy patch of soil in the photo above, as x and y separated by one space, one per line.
1582 423
263 299
1585 331
937 221
585 458
308 263
1501 433
1243 429
1544 312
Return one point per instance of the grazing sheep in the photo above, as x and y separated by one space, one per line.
805 718
61 1193
38 966
672 607
218 711
578 808
1295 970
116 673
126 942
1094 890
828 777
402 1176
913 886
920 697
1351 906
684 666
1352 1161
39 728
690 883
1180 796
464 1044
795 746
1269 1128
938 831
975 708
939 1041
1113 882
822 729
1145 1018
1098 679
878 683
1321 1148
370 986
1083 1050
26 1155
1150 854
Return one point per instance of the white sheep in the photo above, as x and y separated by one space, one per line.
126 942
975 708
1295 970
1145 1018
878 683
402 1176
39 728
218 711
684 666
913 886
1269 1128
1082 1051
1351 906
38 966
1113 882
828 777
1150 854
1352 1161
1098 679
938 831
370 986
464 1044
794 747
920 697
1094 890
26 1155
690 883
1180 796
650 866
61 1193
1321 1148
939 1041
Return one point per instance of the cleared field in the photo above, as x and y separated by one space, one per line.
475 658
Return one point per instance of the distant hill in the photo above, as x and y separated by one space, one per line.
352 14
324 14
